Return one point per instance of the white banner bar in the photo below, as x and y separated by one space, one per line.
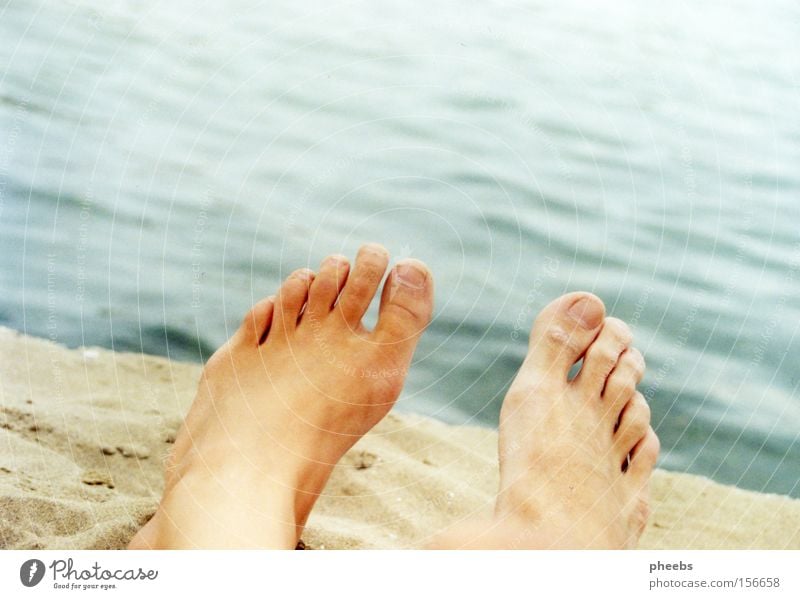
401 574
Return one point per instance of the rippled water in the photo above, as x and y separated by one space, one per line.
164 164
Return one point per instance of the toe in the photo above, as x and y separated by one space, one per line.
291 299
633 425
406 305
363 282
602 357
563 331
256 323
326 286
621 383
644 455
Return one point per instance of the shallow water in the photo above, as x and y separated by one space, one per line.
163 165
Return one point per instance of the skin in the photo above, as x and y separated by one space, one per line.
576 456
302 380
279 404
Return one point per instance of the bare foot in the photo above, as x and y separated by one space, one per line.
575 456
280 403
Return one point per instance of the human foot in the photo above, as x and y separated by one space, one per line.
576 455
280 403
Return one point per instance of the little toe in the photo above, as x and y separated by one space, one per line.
644 456
563 331
290 300
621 383
406 305
256 323
362 283
326 286
602 357
633 425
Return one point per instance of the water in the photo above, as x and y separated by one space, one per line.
165 164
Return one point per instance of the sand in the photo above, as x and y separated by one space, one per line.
83 433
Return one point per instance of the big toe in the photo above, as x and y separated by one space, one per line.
563 332
406 305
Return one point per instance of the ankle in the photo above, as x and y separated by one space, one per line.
203 511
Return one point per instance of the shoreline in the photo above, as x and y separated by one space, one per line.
84 432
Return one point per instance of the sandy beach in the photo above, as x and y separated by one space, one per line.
83 433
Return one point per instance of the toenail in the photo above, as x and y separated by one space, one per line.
374 248
304 274
588 312
335 260
410 275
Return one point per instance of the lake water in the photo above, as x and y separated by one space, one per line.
165 164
